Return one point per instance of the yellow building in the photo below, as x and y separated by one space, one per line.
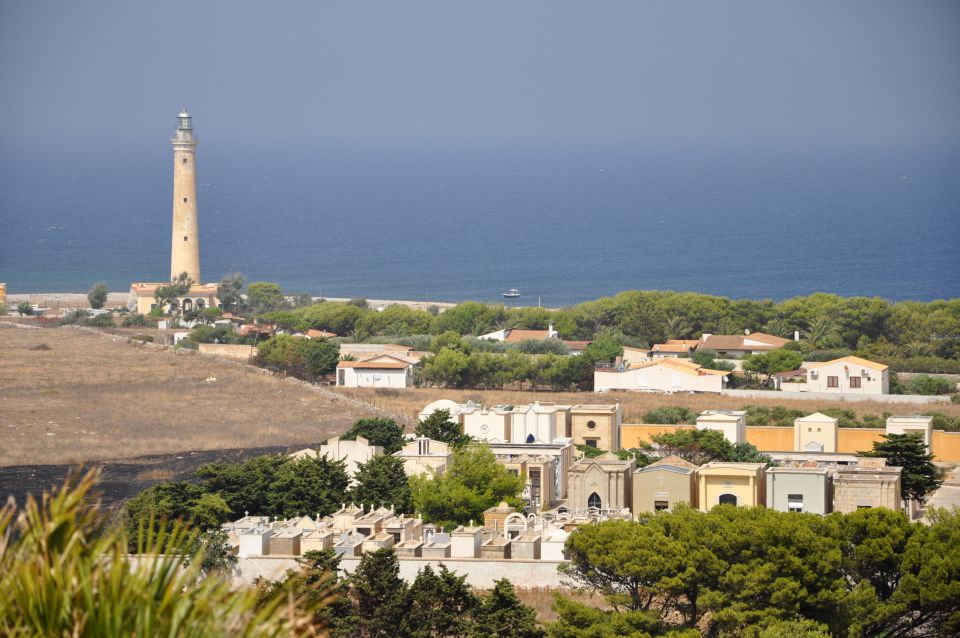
738 484
596 426
815 433
199 296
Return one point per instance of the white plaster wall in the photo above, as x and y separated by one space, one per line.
365 378
656 378
479 573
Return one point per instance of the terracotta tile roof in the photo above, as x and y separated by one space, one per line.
852 360
519 334
320 334
577 345
773 340
737 342
379 362
791 373
671 347
680 365
263 328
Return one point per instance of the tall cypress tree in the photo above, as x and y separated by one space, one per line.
502 615
383 481
379 596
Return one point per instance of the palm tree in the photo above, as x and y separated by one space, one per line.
822 332
917 349
678 327
778 328
886 350
479 326
728 326
63 572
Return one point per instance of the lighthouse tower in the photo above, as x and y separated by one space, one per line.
185 248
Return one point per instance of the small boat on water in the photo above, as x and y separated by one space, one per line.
513 293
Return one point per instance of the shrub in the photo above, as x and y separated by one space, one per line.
72 317
670 415
927 385
134 321
144 338
100 321
97 295
24 308
937 365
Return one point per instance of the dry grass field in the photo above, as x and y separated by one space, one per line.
635 405
67 396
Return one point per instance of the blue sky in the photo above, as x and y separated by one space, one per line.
746 73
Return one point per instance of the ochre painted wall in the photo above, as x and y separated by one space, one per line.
853 440
946 445
634 435
771 439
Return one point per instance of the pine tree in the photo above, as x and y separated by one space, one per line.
440 605
920 476
439 427
502 615
383 481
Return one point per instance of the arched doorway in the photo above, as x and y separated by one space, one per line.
728 499
187 304
200 304
594 501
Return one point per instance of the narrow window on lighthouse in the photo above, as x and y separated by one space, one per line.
184 238
184 160
184 200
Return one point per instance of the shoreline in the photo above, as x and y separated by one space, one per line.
63 300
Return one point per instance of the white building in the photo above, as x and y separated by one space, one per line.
352 453
731 423
493 424
423 455
536 423
661 375
848 375
379 371
921 426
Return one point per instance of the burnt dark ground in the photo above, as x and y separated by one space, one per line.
123 479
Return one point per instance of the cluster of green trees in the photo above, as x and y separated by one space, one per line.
872 326
280 486
747 571
473 483
780 416
374 601
307 359
274 485
698 447
468 363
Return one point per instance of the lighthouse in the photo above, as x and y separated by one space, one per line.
185 244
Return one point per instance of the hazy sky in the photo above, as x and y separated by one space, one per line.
732 72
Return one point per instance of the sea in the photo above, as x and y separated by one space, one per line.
562 224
